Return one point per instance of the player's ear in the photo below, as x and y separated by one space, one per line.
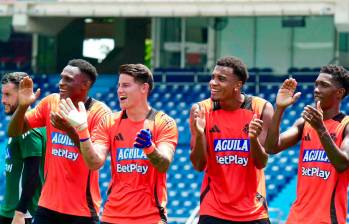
238 85
86 84
146 88
341 93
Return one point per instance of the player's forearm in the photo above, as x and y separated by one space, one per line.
259 156
17 124
198 155
92 158
339 159
272 140
73 136
160 160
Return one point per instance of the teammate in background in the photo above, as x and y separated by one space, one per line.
227 136
324 151
141 142
71 192
22 162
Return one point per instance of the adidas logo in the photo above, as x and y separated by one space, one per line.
214 129
307 137
245 129
118 137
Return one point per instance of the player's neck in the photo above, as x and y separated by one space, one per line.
331 112
234 103
77 100
139 112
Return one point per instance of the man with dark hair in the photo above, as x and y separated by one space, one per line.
141 142
236 65
324 150
140 73
227 137
86 68
71 191
22 162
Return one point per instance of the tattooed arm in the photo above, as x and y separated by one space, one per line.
162 156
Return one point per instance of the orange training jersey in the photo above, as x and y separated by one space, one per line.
233 188
69 187
137 192
321 190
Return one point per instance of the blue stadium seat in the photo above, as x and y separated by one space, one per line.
316 70
292 70
266 70
305 70
254 70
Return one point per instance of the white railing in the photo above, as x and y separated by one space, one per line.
194 217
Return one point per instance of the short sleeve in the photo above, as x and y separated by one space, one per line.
96 114
100 134
32 143
37 117
166 130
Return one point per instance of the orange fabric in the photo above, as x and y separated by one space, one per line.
149 150
320 188
66 175
137 188
84 134
233 188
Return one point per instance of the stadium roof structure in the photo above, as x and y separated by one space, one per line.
166 8
50 15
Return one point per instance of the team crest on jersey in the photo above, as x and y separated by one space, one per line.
241 145
315 155
61 139
130 154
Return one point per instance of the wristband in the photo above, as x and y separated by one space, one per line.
83 134
149 150
84 139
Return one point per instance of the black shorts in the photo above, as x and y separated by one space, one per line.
47 216
206 219
5 220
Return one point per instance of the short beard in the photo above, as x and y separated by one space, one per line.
11 112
